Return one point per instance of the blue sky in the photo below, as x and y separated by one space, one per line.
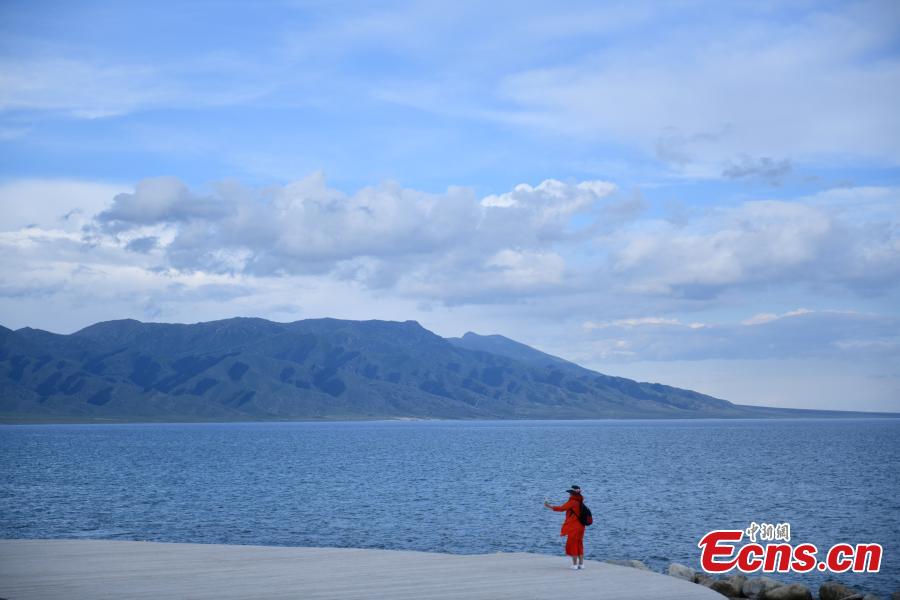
699 193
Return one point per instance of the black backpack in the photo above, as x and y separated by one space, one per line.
585 517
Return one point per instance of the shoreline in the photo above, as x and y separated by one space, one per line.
850 416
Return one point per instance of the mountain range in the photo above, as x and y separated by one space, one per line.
254 369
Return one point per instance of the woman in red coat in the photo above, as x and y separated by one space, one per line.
572 527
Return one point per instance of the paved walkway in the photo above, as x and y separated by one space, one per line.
99 569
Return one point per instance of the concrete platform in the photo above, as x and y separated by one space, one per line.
98 569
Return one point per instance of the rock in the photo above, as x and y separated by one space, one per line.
634 564
681 571
757 587
871 597
731 586
794 591
737 582
725 587
833 590
895 596
703 579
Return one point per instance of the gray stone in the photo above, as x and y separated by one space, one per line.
895 596
737 581
834 590
703 579
757 587
681 571
634 564
794 591
724 587
728 585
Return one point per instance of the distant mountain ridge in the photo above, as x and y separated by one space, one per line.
498 344
254 369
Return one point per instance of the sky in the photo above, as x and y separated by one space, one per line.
702 194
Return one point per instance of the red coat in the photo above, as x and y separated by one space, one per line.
572 508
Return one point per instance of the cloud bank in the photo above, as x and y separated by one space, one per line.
456 248
597 274
379 235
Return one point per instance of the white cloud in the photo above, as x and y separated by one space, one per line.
380 233
159 200
552 198
759 243
551 239
83 89
77 85
164 246
751 89
53 204
761 318
636 322
794 334
524 269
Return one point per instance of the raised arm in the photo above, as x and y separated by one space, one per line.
562 507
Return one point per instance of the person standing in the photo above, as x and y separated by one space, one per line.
572 527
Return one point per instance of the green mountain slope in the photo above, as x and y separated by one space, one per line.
248 369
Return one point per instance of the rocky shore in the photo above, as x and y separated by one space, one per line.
760 588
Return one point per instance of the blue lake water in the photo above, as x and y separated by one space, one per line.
655 487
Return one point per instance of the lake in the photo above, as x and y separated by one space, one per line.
655 487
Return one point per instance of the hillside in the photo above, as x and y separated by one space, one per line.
249 369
